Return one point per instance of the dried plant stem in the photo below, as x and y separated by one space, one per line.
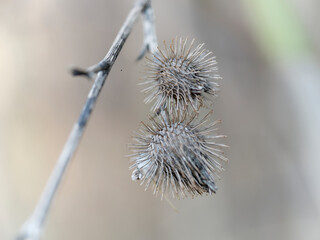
32 228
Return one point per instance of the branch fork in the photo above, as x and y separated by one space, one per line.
149 43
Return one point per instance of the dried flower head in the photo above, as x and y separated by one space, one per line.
180 76
174 153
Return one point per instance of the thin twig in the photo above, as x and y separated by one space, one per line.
32 228
150 42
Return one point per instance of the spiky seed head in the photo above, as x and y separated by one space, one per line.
178 155
181 76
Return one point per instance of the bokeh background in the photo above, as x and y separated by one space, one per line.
268 53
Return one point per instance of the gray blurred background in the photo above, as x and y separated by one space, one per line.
268 53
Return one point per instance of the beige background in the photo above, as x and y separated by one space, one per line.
270 189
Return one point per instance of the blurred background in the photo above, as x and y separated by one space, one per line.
268 53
